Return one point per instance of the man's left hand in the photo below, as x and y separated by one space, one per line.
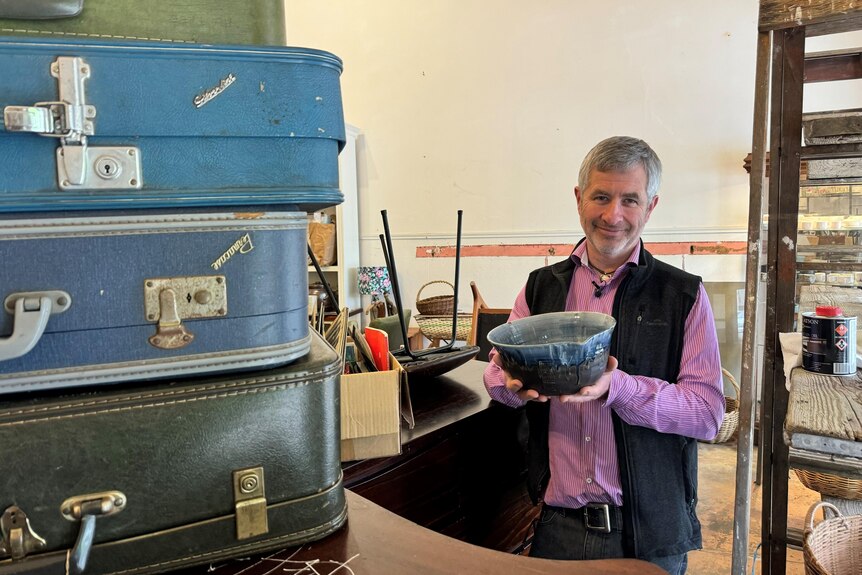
598 390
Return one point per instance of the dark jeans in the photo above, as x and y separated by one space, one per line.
561 534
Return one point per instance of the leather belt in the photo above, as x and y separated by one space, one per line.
600 517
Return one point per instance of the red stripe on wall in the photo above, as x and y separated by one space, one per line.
528 250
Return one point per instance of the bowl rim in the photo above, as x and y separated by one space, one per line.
545 315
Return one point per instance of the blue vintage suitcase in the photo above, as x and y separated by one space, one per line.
91 125
115 297
152 478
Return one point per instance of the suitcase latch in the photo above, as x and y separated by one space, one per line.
85 509
168 301
250 503
170 331
18 538
70 119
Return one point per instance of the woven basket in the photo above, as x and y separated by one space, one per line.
438 304
831 485
731 412
440 326
834 546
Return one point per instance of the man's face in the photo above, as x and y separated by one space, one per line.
614 210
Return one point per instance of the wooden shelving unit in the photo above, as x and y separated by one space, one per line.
782 69
342 274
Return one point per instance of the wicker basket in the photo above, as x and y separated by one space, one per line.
731 412
440 326
834 546
438 304
831 485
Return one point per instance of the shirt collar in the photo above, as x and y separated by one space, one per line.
580 257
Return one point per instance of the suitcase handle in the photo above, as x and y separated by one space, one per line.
30 311
40 9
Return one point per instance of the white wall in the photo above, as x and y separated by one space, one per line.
833 95
489 106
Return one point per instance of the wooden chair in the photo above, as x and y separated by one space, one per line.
484 320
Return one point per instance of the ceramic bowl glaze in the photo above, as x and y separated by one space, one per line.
555 353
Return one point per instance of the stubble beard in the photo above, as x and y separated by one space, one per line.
611 248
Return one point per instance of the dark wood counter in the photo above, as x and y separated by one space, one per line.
378 542
453 501
461 470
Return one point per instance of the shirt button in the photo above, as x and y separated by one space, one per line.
589 479
587 438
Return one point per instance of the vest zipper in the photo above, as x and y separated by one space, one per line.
628 494
639 320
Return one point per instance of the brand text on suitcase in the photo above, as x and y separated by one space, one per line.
242 245
205 97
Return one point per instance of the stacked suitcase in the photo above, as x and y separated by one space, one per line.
163 401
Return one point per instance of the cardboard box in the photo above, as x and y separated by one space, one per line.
372 405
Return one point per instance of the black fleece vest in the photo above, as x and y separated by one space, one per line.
658 471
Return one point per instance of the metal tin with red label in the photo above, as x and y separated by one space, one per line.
829 341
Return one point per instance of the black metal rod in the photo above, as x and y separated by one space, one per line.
457 277
325 283
451 343
396 292
389 256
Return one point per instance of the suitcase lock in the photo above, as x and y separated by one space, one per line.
18 538
70 118
85 508
168 301
249 502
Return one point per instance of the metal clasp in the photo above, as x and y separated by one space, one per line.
70 119
103 504
170 332
33 119
169 301
18 538
85 508
250 503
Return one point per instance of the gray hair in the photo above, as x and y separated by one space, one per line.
620 154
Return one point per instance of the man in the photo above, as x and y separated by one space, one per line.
616 464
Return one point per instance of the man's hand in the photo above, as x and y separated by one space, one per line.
516 386
598 390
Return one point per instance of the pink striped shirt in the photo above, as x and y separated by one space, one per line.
583 455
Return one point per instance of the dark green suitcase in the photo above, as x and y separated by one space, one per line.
151 479
199 21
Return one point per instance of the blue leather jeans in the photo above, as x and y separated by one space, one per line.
562 534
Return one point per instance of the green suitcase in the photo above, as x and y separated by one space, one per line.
259 22
145 479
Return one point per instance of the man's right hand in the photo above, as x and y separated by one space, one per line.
516 386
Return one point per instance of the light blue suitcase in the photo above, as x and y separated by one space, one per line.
124 125
110 298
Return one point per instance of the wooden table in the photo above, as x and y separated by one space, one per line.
378 542
824 413
823 427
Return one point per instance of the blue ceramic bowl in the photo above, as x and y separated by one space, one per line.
555 353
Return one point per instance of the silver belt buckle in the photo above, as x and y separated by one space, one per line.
597 517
